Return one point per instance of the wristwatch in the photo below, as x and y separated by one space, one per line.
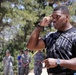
58 61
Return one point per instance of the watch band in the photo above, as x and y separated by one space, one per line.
40 27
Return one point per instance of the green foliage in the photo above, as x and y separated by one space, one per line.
72 8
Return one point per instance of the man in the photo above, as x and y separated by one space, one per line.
19 61
60 46
8 63
38 58
25 61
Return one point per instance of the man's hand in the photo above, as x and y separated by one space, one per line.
50 63
45 21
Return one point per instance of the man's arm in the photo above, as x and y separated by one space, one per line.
12 59
34 42
51 63
71 63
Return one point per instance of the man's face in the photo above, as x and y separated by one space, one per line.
7 54
26 52
59 20
20 53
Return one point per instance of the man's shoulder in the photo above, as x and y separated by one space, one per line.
73 29
50 33
11 57
29 55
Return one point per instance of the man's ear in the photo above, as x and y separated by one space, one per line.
67 17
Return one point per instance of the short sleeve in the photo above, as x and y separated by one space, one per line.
46 38
50 39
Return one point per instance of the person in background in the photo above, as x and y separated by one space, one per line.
55 4
25 61
19 61
60 45
38 58
8 64
65 2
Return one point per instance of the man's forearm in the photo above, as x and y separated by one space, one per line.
71 64
34 41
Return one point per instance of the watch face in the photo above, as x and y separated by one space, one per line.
58 61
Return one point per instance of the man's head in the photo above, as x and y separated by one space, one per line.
26 51
7 53
60 17
64 9
21 52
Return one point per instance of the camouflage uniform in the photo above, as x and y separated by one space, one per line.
38 58
8 62
25 64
